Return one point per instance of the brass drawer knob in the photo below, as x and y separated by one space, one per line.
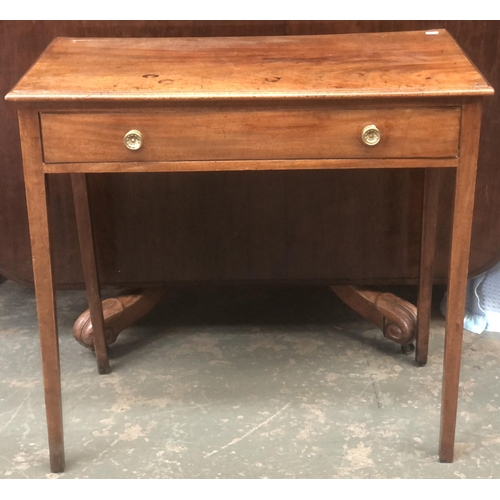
371 135
133 140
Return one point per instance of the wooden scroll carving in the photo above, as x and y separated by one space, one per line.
119 313
396 317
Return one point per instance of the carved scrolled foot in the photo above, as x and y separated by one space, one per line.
119 313
396 317
400 318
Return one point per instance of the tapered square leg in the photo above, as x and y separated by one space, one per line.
427 253
457 280
37 204
86 241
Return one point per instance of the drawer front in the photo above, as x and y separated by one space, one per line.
245 134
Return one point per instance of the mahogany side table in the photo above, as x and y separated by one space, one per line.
357 101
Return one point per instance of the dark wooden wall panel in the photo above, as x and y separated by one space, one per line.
156 228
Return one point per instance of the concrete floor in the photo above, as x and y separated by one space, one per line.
244 383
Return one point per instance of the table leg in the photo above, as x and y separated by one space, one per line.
427 252
457 279
37 203
86 241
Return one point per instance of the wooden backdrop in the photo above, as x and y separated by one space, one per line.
344 226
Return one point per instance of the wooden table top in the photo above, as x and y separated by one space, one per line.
398 64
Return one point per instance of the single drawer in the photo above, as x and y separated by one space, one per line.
209 133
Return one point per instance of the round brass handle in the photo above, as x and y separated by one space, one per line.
133 140
371 135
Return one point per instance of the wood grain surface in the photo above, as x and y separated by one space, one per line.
216 132
402 64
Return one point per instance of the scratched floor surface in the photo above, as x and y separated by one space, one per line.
243 383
